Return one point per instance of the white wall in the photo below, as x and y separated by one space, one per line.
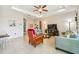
30 20
6 15
61 21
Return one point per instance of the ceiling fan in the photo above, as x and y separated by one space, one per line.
40 8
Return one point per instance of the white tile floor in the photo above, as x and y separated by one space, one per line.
20 46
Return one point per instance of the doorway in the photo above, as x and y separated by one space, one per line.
24 26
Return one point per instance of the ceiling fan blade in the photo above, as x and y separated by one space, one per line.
36 7
43 6
39 6
45 10
35 10
40 12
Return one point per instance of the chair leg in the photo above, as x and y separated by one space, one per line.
29 41
35 46
42 41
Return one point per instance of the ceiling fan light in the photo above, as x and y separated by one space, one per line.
40 10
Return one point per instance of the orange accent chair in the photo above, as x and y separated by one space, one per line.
33 38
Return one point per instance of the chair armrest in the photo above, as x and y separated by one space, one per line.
38 37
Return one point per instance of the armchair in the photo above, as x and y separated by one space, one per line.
33 38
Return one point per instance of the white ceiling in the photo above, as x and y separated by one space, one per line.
52 9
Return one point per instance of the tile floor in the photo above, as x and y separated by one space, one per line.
21 46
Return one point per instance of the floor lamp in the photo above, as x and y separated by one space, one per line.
69 27
76 19
69 22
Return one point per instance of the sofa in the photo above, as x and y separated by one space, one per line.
70 45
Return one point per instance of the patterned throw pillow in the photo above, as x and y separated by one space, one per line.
72 36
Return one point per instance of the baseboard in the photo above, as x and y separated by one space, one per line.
64 50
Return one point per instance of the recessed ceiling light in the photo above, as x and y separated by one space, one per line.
62 6
61 10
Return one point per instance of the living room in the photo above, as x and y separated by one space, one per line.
15 20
